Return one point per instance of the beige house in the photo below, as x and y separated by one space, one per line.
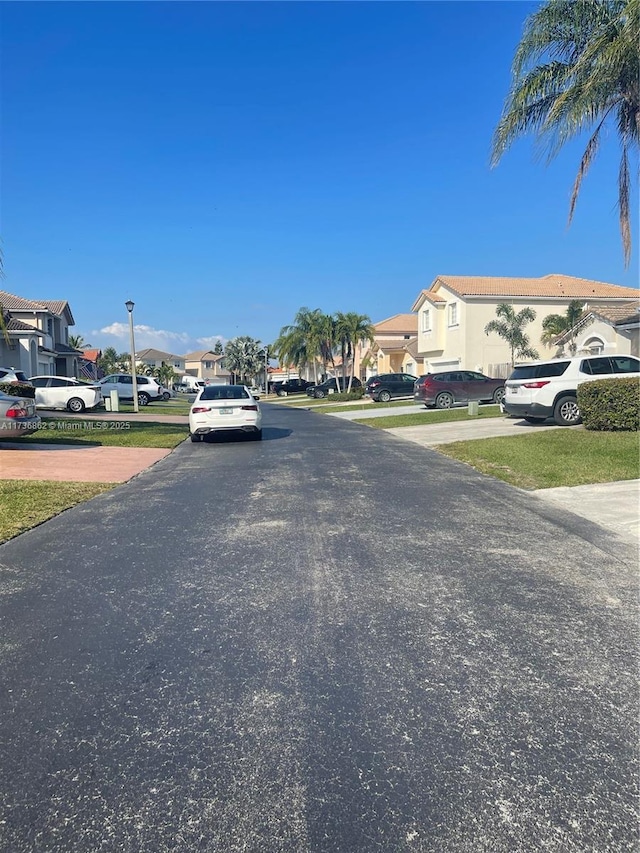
157 358
605 329
205 364
395 348
38 332
454 310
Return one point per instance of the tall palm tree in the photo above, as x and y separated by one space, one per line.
509 326
555 325
77 342
306 340
243 356
351 330
577 68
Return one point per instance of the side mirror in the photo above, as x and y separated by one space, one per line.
255 397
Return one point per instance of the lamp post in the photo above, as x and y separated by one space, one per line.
129 306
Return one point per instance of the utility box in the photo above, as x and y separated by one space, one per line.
474 407
114 401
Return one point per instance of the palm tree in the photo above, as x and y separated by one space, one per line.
77 342
351 330
510 328
555 325
244 357
576 69
306 340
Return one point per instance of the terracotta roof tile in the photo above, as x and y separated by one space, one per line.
407 323
554 285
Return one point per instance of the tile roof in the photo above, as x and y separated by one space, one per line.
553 285
11 302
395 344
200 354
617 314
150 352
14 325
398 323
91 354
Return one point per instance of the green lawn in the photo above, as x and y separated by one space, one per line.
107 433
27 503
559 457
430 416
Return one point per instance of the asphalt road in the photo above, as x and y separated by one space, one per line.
333 640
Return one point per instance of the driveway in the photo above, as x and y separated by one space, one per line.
330 641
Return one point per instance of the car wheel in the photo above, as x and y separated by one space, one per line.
318 395
498 395
280 393
143 398
566 412
444 400
384 396
535 420
76 405
166 396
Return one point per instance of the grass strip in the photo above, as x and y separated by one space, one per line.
552 458
107 433
26 503
431 416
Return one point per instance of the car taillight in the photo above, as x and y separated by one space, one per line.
373 384
17 412
200 409
540 384
249 408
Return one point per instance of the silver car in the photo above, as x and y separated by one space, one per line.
17 416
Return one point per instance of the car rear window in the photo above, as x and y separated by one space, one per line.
224 392
539 371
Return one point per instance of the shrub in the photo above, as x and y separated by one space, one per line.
18 389
610 404
354 394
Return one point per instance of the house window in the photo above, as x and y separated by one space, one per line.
208 365
453 314
426 320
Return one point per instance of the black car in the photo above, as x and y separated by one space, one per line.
291 386
330 385
387 385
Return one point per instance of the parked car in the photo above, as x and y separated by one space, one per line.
548 389
17 416
446 389
291 386
10 374
64 392
225 408
383 387
165 393
148 388
329 386
191 384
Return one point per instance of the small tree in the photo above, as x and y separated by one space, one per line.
555 325
244 357
218 349
510 326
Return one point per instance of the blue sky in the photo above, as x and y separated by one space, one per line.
223 164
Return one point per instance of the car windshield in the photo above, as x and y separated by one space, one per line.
224 392
539 371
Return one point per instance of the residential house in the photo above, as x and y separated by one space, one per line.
394 350
38 332
88 364
206 365
604 329
454 310
157 358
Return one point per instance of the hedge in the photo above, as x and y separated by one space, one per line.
18 389
610 404
343 396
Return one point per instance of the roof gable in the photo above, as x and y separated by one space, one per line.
398 324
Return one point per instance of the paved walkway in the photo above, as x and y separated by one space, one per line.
66 463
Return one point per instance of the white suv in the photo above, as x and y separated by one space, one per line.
547 389
148 388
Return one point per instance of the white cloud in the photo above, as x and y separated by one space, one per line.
145 337
211 341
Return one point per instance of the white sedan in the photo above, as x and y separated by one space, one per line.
225 408
64 392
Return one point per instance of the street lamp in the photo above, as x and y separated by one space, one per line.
129 306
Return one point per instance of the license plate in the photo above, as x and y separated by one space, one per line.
226 411
513 390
